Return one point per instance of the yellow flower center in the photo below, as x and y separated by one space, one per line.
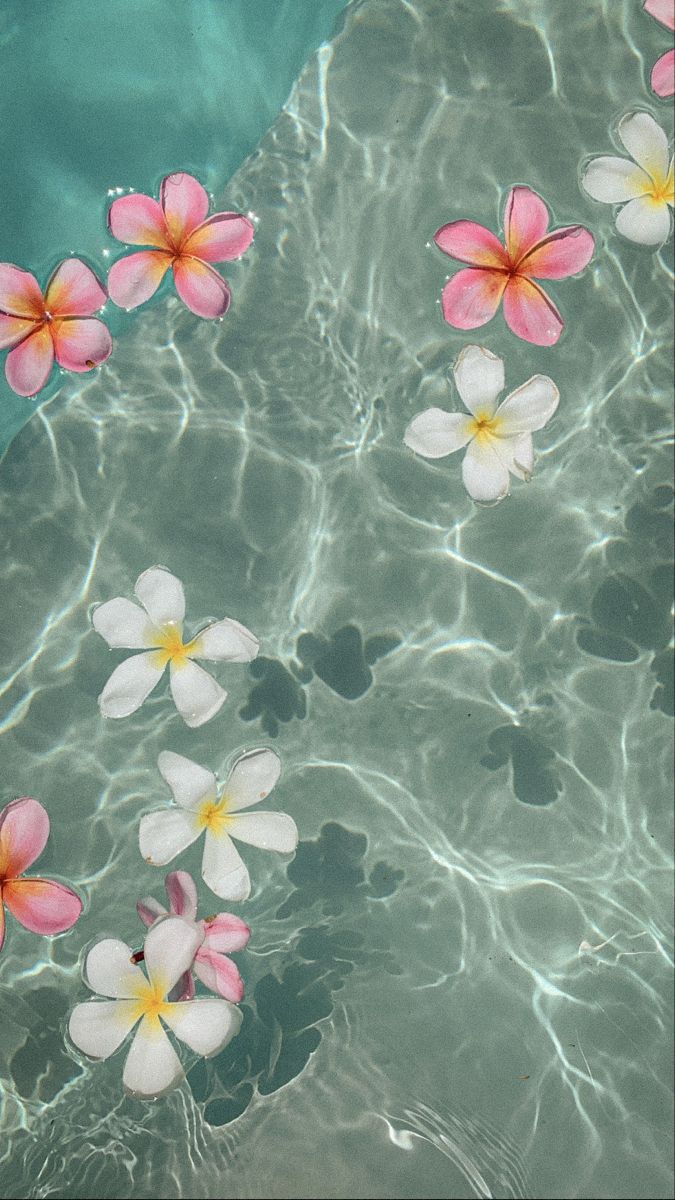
151 1001
485 426
663 189
171 647
213 815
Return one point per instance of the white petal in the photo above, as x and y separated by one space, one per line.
165 833
251 779
149 910
268 830
479 376
486 479
646 142
435 433
644 221
529 407
613 180
129 685
190 783
99 1027
222 868
206 1026
196 694
124 625
521 456
152 1065
225 641
169 948
161 595
110 972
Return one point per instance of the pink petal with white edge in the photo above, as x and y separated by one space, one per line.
479 379
161 595
13 330
196 694
99 1027
123 625
29 364
529 407
219 974
471 243
526 219
165 833
435 433
563 253
138 220
152 1065
646 142
20 293
129 685
663 11
201 288
185 204
181 891
485 477
24 829
134 279
80 345
225 236
190 784
530 314
222 868
663 75
226 641
266 830
42 905
170 947
471 298
74 290
150 910
109 970
640 221
225 933
206 1026
614 180
252 778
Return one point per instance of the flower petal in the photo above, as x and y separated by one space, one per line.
109 971
197 695
123 624
646 142
225 641
663 75
161 595
435 433
471 243
185 204
29 364
152 1065
218 973
520 455
206 1026
24 829
471 298
201 288
98 1027
170 947
138 220
189 783
134 279
529 407
486 479
150 910
2 921
42 905
530 314
225 933
526 219
267 830
13 330
479 378
223 237
165 833
74 290
252 778
182 893
222 868
642 221
80 345
663 11
614 180
129 685
20 293
564 252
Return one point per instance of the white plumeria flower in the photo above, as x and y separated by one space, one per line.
165 833
98 1027
158 628
498 440
647 184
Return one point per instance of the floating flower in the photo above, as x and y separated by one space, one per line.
185 240
98 1027
472 297
221 935
648 186
498 440
41 905
37 329
663 71
124 625
165 833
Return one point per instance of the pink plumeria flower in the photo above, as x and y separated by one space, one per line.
38 329
201 809
98 1027
663 71
158 628
185 240
41 905
508 272
647 184
498 439
222 934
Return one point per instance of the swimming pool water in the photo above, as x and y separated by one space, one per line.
461 984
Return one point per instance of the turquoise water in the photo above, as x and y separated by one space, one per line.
462 984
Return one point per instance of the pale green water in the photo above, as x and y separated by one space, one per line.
420 1019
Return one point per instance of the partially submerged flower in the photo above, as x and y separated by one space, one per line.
182 238
202 809
647 184
509 272
222 934
498 439
98 1027
158 628
38 329
663 71
41 905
